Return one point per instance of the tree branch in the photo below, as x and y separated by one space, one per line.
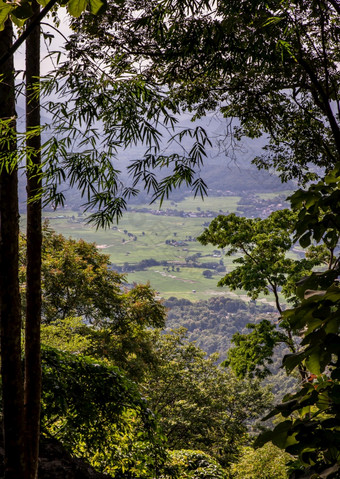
322 100
35 21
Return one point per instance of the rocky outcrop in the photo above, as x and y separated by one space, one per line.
56 463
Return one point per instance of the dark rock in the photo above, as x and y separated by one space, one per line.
57 463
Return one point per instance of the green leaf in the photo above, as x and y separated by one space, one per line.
263 438
280 434
17 21
76 7
333 293
290 361
310 293
313 363
305 240
23 12
316 281
5 10
43 3
97 6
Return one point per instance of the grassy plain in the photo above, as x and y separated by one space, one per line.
141 236
269 196
212 203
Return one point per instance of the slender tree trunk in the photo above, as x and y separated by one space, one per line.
34 242
11 366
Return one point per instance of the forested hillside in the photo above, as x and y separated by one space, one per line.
212 323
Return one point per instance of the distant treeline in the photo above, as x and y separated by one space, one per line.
148 263
181 213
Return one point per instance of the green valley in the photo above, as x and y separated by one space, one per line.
168 237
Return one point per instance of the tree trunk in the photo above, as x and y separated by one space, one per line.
10 317
34 242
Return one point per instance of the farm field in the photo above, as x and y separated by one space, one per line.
151 233
269 196
143 236
212 203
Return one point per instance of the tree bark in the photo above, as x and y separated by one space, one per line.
10 316
32 393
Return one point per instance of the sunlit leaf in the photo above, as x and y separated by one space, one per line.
5 10
76 7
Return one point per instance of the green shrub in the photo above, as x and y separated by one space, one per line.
267 462
187 464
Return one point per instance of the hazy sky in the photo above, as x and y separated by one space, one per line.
57 43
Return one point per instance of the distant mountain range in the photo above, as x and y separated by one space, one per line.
227 168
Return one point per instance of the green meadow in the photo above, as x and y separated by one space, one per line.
212 203
270 196
141 236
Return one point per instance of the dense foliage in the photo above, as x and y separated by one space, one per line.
264 265
98 414
77 280
189 464
274 66
311 416
201 405
268 462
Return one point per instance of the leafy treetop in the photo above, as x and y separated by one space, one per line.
201 405
262 245
78 281
198 50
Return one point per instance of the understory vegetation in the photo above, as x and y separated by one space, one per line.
117 391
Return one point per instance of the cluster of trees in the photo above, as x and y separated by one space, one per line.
263 266
141 266
253 206
272 65
212 323
190 261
